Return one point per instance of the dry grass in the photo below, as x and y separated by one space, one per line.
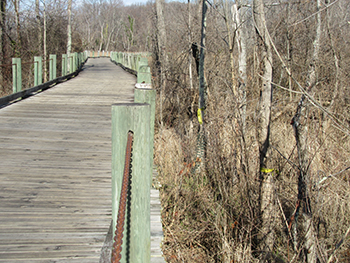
213 215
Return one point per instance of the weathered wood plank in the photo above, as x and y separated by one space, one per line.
55 168
156 227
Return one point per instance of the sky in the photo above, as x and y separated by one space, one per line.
130 2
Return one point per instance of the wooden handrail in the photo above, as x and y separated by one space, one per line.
31 91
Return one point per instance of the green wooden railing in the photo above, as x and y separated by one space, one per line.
75 60
135 63
139 118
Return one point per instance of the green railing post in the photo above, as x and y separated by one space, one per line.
148 96
138 58
16 75
142 62
79 60
64 64
128 64
133 62
136 118
75 61
71 63
38 71
52 67
144 72
144 75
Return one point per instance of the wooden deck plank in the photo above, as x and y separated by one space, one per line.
55 166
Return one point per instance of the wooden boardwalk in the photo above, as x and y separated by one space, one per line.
55 168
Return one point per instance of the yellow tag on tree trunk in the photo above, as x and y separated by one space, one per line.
200 117
265 170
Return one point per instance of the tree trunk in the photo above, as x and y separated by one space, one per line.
300 125
162 56
2 28
241 39
189 44
335 57
190 66
202 82
38 24
69 33
201 139
230 46
109 37
2 36
18 29
289 52
240 83
101 37
45 50
266 195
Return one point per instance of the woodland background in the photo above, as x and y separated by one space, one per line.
263 175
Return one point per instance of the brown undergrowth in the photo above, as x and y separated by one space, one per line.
212 215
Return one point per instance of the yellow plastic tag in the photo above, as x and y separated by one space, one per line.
265 170
200 118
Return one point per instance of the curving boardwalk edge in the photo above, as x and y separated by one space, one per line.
55 167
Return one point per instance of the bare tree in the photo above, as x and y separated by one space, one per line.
2 30
2 36
162 56
201 139
189 44
18 29
266 195
38 24
231 43
240 27
335 57
69 32
300 125
45 47
102 26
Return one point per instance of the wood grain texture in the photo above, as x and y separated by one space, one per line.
133 117
55 168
